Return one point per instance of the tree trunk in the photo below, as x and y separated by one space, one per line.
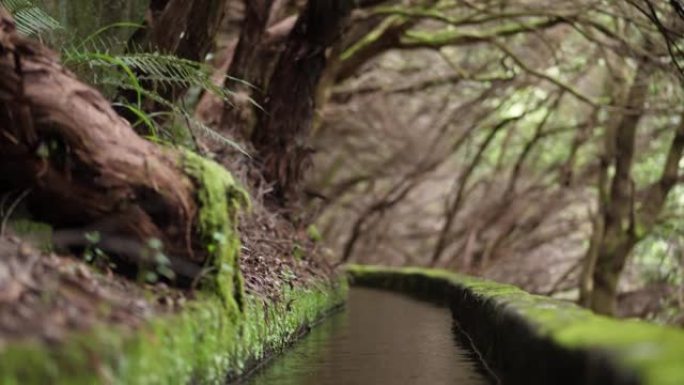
617 91
282 131
248 70
617 208
183 28
264 28
586 283
617 242
244 73
609 265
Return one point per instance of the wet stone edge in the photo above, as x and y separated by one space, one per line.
513 349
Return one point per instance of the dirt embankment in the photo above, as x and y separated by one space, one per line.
44 295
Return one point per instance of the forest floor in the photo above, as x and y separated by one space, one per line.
44 296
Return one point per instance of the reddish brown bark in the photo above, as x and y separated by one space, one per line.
248 68
282 132
86 168
237 117
185 28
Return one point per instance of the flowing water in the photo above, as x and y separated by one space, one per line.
382 338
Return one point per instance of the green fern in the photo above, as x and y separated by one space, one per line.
30 20
196 127
103 61
164 70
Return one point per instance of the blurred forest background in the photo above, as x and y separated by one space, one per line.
531 142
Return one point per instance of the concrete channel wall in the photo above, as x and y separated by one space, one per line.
534 340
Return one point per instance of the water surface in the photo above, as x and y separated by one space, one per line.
382 338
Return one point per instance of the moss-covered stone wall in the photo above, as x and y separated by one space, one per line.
529 339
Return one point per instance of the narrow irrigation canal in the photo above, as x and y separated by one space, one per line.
382 338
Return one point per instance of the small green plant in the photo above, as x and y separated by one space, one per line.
314 234
298 252
288 275
155 264
94 254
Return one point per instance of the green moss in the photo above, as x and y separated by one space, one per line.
654 352
204 344
314 234
220 199
450 36
372 37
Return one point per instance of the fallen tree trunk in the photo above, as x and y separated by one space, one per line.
86 168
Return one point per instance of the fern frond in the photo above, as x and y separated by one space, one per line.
165 70
196 126
207 132
143 117
30 19
98 35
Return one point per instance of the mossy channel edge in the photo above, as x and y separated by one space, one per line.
530 339
203 344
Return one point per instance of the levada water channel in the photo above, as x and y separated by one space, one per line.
381 338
